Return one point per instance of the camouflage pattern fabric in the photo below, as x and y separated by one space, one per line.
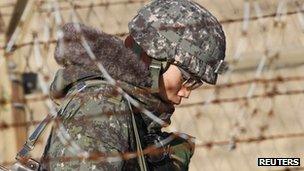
181 32
99 121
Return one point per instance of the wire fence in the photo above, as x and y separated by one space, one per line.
250 113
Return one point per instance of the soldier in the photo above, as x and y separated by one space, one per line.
184 45
173 47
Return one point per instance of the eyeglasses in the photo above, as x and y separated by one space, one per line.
189 82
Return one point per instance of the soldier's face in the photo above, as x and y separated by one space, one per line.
171 88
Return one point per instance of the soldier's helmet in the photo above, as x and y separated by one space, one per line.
183 33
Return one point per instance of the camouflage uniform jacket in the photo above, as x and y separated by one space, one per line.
98 120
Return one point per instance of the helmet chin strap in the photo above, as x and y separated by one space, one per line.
156 67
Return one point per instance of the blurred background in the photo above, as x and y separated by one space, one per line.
256 110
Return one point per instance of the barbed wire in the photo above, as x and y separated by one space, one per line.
4 125
207 145
278 79
142 1
77 6
125 33
270 94
100 156
100 4
242 119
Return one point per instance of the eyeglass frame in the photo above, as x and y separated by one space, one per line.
189 82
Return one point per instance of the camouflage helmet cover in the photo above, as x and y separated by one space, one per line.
181 32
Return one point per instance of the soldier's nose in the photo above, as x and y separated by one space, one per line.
184 92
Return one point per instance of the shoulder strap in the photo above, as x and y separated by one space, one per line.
32 139
140 154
